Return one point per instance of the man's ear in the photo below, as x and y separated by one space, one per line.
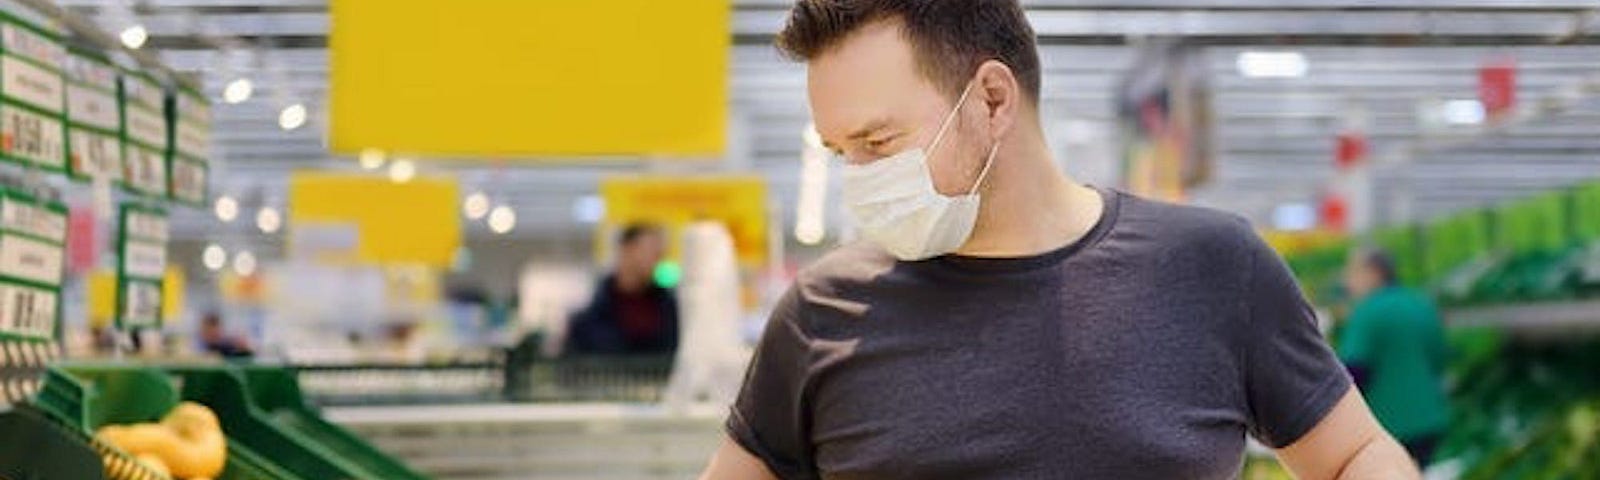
1001 95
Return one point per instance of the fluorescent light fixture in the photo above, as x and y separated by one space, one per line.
502 219
214 257
134 36
402 171
588 209
371 158
1294 217
244 264
238 90
292 117
476 206
226 208
1272 64
269 220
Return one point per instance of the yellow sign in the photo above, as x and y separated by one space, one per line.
496 78
415 222
172 285
102 297
739 202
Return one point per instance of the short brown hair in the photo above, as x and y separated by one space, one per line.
950 38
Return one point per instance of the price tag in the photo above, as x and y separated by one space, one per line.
33 219
141 302
91 72
193 108
91 107
145 170
36 86
147 127
139 225
142 91
31 44
29 259
27 311
194 140
144 260
31 136
94 155
189 181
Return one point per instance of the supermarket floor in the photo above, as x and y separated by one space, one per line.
560 441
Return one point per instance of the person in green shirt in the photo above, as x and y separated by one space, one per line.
1393 343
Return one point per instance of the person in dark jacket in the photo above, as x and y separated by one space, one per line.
629 313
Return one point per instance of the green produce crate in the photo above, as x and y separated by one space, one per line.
89 396
33 447
223 389
276 391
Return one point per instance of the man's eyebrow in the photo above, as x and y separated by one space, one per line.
860 133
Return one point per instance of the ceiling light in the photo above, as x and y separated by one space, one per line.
244 264
476 205
226 208
402 171
292 117
134 36
1272 64
1464 112
214 257
238 90
588 209
371 158
269 220
1294 217
502 219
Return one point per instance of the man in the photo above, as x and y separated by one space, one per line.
1393 344
217 340
629 313
1005 321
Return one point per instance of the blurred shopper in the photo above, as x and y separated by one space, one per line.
629 313
1393 344
216 339
1006 321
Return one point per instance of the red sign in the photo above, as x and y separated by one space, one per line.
81 239
1350 150
1497 87
1333 213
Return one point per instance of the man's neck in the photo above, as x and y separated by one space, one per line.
1030 207
630 283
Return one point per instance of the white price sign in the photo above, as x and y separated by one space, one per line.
144 260
147 126
27 311
31 136
30 44
146 169
95 155
193 140
30 259
91 72
146 226
194 108
33 219
142 91
189 181
91 107
141 302
24 81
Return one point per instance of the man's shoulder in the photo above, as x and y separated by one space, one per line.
853 263
1185 225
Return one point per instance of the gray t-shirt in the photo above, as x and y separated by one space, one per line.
1148 349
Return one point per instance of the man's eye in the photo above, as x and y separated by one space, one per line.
879 143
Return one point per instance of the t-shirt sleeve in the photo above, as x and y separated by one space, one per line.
1292 377
770 417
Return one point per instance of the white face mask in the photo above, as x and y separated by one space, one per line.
896 205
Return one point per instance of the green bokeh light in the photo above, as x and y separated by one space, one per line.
668 274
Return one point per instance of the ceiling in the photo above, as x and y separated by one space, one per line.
1273 139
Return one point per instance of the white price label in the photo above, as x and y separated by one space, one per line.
143 91
189 181
194 140
145 169
27 311
146 226
141 302
24 81
91 107
31 136
30 259
147 126
91 72
32 45
95 155
193 108
33 219
144 260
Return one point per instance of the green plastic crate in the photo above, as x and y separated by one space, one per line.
277 392
33 447
89 396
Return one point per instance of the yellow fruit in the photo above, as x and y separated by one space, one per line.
188 442
153 463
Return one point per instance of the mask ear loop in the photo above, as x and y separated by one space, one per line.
982 174
949 119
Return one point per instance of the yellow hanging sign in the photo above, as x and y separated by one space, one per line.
739 202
